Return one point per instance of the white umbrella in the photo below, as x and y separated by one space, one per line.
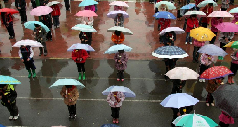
182 73
52 3
80 46
126 91
119 3
198 13
122 29
177 30
27 42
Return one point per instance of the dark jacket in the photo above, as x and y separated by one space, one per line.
181 111
168 36
9 94
85 36
21 4
43 2
178 82
47 20
7 17
40 34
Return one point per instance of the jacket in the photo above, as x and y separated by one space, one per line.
9 94
21 4
71 93
228 35
235 18
56 10
214 23
212 85
88 21
198 43
26 53
117 8
91 7
207 10
47 20
40 34
123 57
85 36
168 36
164 23
7 18
225 118
44 2
111 99
206 59
79 54
119 19
178 82
191 24
234 57
225 3
118 39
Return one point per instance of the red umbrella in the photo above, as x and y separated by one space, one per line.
215 72
9 10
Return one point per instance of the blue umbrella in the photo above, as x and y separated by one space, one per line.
212 50
127 92
164 14
87 3
169 52
30 25
109 125
188 6
4 126
63 82
80 46
115 48
8 80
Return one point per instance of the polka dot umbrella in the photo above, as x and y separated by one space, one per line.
215 72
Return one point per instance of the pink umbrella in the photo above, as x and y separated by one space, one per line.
41 10
86 13
227 27
119 3
220 14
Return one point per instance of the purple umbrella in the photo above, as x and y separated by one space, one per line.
113 14
227 27
177 30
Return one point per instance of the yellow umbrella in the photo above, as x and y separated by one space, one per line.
236 23
202 34
229 44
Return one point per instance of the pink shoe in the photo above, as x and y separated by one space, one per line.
114 121
117 121
122 80
118 79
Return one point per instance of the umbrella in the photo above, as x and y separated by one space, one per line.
212 50
177 30
179 100
63 82
202 34
83 28
234 10
87 3
194 120
109 125
206 2
227 27
41 10
168 4
86 13
119 3
115 48
122 29
113 14
198 13
215 72
8 80
233 44
188 6
9 10
80 46
164 14
127 92
28 42
30 25
236 23
182 73
226 98
2 125
169 52
52 3
220 14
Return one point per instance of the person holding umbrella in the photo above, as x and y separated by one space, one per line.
79 56
40 36
206 61
120 64
8 96
224 5
169 38
70 95
86 38
234 66
225 119
119 20
178 85
212 85
47 20
214 22
115 100
21 6
88 21
55 14
8 22
192 23
117 37
225 38
180 111
208 9
197 45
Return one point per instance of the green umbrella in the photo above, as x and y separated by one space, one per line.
235 45
206 2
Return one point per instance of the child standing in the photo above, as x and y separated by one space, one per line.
79 56
234 66
121 64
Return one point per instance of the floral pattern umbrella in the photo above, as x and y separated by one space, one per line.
215 72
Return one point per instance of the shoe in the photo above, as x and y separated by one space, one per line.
118 79
190 43
15 117
29 73
80 76
34 73
84 76
222 83
200 80
117 121
232 81
203 80
40 54
207 104
122 80
74 116
50 39
70 116
45 54
114 120
11 37
11 117
212 104
229 80
186 43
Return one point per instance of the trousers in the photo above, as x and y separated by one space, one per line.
120 74
195 53
44 48
13 109
10 29
115 112
72 109
23 15
80 67
29 64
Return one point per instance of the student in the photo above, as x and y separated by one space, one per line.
79 56
120 64
119 20
192 23
118 37
55 14
178 85
21 6
47 20
40 36
169 38
224 5
206 61
8 22
86 38
197 46
207 10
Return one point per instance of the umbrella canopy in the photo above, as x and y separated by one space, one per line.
41 10
26 42
233 44
198 13
8 80
234 10
182 73
169 52
212 50
206 2
188 6
202 34
179 100
80 46
227 27
122 29
168 4
177 30
52 3
164 14
83 28
113 14
109 125
194 120
226 98
86 13
236 23
30 25
215 72
63 82
9 10
115 48
87 3
127 92
220 14
119 3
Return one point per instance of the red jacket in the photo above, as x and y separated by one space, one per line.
207 11
56 10
191 24
164 23
79 54
158 1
